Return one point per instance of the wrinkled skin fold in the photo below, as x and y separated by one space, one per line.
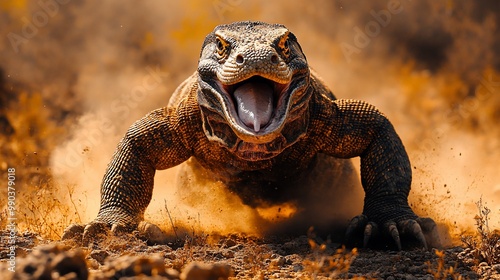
254 115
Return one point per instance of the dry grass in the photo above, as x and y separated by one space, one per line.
321 263
44 212
331 266
41 206
438 270
485 245
195 248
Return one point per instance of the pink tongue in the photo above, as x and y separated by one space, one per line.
254 104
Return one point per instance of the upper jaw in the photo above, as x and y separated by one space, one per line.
230 74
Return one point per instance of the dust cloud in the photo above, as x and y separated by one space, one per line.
432 68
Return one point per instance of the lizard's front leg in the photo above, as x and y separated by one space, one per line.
359 129
150 144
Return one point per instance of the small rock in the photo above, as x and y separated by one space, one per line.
53 260
228 254
171 255
99 255
231 243
457 250
134 266
297 268
409 277
417 269
92 264
278 261
203 271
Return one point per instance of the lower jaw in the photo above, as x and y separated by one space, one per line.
255 152
256 141
255 156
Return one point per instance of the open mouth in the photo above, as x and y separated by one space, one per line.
255 102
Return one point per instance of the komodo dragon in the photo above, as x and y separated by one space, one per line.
258 119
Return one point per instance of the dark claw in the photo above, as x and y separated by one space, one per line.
424 230
118 229
371 229
411 227
430 231
393 231
356 224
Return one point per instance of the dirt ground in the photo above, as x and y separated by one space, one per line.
231 257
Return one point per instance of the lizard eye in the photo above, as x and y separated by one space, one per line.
222 46
284 45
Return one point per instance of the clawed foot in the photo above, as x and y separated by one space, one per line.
92 231
424 230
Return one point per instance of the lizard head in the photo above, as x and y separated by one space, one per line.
253 93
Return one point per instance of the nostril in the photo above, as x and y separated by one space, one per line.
239 59
274 58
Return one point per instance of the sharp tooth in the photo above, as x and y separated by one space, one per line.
256 125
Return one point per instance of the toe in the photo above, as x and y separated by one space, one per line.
392 229
118 229
371 230
153 234
73 231
357 224
93 230
430 230
412 228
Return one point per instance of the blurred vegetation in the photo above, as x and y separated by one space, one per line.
34 134
438 269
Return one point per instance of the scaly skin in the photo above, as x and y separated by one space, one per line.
202 121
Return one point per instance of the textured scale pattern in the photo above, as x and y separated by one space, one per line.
317 124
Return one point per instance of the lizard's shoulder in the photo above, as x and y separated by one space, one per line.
186 90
